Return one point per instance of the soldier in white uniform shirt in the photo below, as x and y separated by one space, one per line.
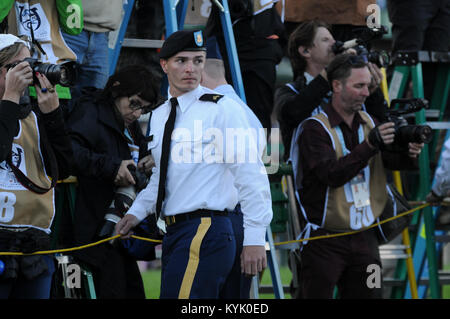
203 169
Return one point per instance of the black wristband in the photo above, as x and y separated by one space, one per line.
375 138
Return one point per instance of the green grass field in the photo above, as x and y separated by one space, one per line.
152 282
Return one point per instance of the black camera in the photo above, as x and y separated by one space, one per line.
405 132
380 58
361 44
63 74
122 201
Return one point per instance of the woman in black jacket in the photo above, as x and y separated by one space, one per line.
106 138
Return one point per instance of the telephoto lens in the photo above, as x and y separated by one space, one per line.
414 134
123 199
64 74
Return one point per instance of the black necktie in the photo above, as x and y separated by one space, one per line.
165 154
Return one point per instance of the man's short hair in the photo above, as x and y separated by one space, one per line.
303 35
341 66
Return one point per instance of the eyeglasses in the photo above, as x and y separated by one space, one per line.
136 105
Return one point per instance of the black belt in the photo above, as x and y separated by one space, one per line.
170 220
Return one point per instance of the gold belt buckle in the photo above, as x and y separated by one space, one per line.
170 220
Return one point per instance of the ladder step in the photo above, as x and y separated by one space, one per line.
444 279
429 114
443 238
438 125
394 256
392 247
393 252
413 57
142 43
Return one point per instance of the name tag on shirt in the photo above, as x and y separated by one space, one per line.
360 191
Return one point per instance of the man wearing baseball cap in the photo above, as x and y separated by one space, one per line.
33 145
200 176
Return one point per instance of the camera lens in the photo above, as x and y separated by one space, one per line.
414 134
51 71
67 73
63 74
425 134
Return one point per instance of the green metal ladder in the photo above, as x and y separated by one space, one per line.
409 64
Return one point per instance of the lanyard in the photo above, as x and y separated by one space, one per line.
349 191
345 151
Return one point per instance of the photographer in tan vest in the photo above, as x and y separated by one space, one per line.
33 145
341 184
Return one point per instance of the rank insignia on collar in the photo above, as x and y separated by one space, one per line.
211 97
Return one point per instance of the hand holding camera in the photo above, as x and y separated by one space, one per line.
382 135
124 177
17 80
124 197
360 43
47 99
407 136
377 77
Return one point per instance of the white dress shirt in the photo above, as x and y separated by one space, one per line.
207 169
261 137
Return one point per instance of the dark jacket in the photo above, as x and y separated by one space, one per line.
292 107
99 146
52 132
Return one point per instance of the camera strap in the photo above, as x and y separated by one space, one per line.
28 183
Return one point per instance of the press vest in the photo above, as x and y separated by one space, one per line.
20 207
340 213
43 17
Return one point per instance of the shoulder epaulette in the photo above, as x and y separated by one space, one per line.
211 97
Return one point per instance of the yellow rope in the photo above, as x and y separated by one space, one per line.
356 231
65 250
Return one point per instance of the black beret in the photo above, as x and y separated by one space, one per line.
184 40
